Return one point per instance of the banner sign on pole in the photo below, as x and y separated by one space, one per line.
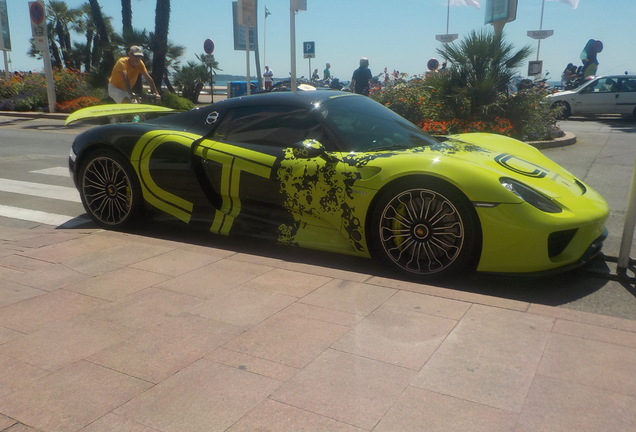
246 12
5 40
500 10
240 32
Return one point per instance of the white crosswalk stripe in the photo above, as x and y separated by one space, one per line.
41 217
42 190
39 190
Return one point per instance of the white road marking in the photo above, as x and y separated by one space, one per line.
55 171
40 190
41 217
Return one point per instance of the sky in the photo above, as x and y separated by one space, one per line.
393 34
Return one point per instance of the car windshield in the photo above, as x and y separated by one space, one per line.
364 125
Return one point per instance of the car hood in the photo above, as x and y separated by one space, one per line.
508 157
476 162
563 93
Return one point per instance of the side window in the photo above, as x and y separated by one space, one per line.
629 85
279 126
604 85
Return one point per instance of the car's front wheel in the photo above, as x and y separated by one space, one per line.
564 109
109 190
427 228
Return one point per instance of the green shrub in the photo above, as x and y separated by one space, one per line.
172 100
529 111
471 94
29 93
70 85
410 100
7 88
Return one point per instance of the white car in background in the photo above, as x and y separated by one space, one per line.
610 94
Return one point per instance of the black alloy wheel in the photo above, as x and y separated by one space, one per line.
109 190
428 229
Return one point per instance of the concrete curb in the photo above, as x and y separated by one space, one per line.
34 114
568 139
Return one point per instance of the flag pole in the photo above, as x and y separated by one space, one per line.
540 29
265 38
447 15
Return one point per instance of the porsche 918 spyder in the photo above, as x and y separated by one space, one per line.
339 172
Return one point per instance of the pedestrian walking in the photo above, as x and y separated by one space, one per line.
361 80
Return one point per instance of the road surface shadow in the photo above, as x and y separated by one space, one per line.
552 290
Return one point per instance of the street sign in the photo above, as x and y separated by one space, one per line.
298 5
36 12
38 25
446 38
540 34
208 59
535 67
208 46
309 49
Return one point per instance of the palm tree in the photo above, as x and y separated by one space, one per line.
103 34
85 25
126 17
173 54
212 66
190 79
160 41
61 18
481 68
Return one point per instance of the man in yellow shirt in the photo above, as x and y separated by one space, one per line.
125 75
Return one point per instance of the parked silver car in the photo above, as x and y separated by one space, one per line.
610 94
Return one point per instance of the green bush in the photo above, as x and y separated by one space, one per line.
472 93
410 100
172 100
530 113
71 84
29 93
7 89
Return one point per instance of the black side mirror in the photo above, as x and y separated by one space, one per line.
308 149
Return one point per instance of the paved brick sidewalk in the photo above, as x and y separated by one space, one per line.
106 331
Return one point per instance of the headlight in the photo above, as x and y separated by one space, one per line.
530 195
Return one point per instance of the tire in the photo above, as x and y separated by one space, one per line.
566 111
427 228
110 190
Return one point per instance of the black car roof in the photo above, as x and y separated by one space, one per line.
196 120
300 98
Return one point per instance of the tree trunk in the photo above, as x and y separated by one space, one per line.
107 64
126 18
160 41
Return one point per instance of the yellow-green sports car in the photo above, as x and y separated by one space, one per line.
339 172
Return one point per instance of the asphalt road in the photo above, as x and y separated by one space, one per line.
35 189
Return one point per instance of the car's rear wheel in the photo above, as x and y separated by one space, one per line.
109 190
427 228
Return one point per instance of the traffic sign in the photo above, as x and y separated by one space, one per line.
36 12
208 46
38 25
446 38
535 67
309 49
540 34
